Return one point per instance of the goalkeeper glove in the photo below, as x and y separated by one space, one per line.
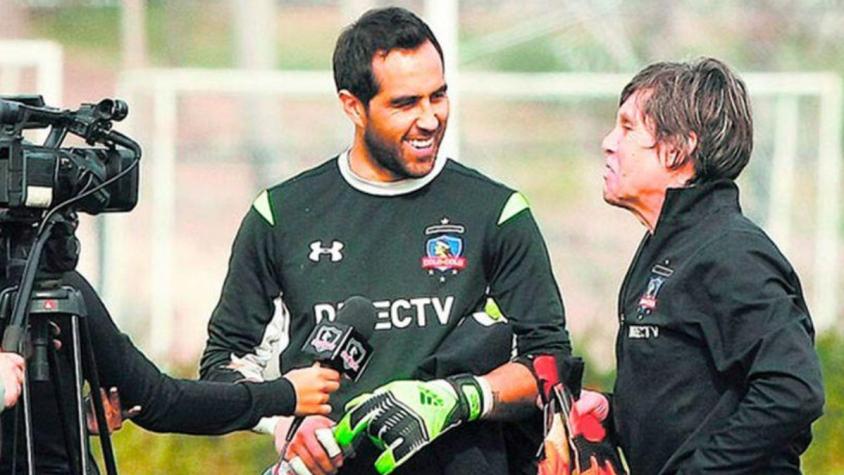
402 417
576 441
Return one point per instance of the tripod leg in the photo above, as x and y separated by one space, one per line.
27 424
80 403
94 381
17 426
64 411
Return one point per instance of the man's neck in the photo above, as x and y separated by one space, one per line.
364 166
647 211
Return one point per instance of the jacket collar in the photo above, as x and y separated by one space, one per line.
694 203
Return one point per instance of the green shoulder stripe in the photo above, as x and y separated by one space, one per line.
262 206
515 205
490 315
491 308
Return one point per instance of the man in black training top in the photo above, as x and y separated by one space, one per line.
428 240
716 367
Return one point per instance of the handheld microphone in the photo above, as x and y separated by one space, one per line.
341 344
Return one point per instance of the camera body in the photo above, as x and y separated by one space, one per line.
39 177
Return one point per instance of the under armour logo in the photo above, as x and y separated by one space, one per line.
334 251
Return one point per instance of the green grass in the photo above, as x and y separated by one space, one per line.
826 454
141 452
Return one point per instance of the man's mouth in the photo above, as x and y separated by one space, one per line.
421 144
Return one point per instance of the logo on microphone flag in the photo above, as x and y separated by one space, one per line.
326 339
354 356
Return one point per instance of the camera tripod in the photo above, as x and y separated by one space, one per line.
33 305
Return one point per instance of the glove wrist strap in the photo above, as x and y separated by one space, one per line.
474 392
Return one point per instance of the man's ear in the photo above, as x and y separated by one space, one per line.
669 154
353 107
672 154
677 160
691 144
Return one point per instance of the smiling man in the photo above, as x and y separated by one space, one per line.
716 367
446 255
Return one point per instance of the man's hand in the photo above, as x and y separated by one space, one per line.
595 451
12 374
312 386
404 416
591 403
313 450
114 412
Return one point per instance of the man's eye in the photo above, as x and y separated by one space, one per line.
404 103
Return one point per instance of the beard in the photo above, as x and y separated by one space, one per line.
388 155
385 154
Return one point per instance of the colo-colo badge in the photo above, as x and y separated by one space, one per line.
648 301
444 249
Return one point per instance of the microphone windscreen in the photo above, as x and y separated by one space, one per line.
359 313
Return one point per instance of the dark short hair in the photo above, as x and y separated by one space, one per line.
377 30
703 97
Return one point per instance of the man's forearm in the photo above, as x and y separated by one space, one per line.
759 427
514 391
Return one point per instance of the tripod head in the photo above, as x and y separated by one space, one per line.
17 236
61 254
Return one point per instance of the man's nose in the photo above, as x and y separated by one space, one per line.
610 142
428 119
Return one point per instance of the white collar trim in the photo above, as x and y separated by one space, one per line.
381 188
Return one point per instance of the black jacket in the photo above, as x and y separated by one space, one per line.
717 371
168 404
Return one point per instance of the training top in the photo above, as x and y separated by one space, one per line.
426 251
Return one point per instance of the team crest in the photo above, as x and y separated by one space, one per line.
648 301
444 249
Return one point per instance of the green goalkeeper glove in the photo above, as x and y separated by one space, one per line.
404 416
